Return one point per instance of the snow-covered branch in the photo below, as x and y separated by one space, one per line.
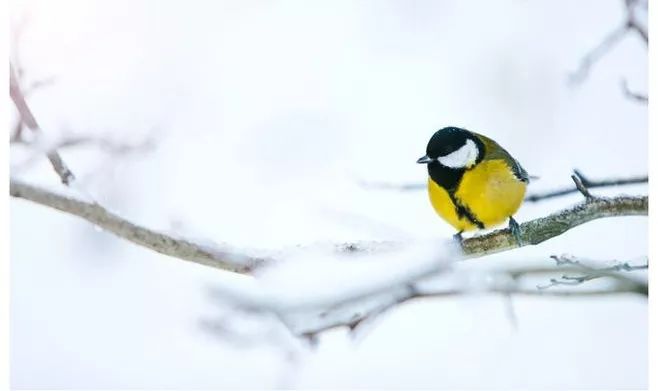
305 315
407 267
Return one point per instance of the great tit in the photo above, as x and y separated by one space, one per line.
473 182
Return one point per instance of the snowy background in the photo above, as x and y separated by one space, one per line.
264 117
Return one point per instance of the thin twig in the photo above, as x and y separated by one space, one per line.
642 98
597 53
65 174
589 184
588 273
581 186
109 145
630 23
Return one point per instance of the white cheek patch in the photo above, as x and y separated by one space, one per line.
461 158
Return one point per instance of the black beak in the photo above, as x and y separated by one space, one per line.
425 160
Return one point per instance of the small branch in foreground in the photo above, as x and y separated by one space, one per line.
507 282
588 273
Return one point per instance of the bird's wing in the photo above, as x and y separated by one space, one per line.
495 151
519 171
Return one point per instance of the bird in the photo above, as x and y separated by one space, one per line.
473 183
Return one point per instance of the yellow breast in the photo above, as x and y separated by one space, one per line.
489 190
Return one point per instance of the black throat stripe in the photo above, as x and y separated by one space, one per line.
464 211
449 179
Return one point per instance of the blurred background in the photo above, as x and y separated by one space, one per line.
255 123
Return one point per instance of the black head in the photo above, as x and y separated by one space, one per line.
453 148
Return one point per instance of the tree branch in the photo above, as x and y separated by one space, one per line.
532 232
544 228
210 255
358 316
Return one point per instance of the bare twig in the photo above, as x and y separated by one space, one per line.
65 175
589 184
103 143
588 273
38 84
642 98
581 186
597 53
630 23
108 145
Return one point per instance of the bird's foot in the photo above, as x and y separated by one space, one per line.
516 231
458 237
